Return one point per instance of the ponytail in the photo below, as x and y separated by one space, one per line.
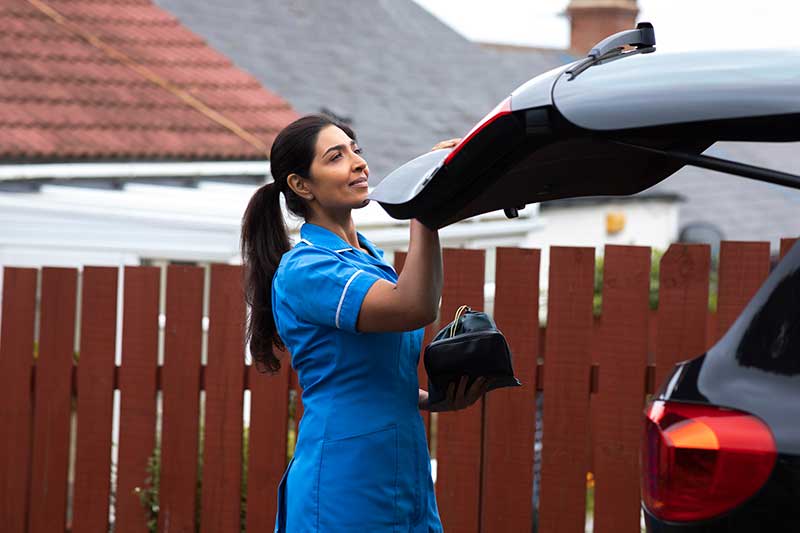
265 237
264 240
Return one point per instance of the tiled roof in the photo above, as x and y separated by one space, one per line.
120 80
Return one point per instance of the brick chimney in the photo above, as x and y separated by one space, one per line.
593 20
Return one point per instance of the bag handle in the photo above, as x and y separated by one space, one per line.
459 313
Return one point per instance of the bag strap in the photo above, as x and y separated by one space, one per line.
459 313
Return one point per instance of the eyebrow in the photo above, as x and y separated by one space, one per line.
338 147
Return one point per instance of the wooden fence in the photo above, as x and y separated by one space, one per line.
594 372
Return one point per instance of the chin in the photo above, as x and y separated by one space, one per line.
362 204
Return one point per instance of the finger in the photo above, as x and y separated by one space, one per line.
477 386
451 393
462 387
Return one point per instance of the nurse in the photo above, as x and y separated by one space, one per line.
354 331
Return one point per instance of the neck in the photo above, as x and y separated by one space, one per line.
339 223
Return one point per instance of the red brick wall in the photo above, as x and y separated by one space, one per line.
590 25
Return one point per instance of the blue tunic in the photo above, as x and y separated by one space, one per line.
361 461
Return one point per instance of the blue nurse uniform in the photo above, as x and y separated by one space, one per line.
361 462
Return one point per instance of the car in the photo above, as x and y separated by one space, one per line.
721 437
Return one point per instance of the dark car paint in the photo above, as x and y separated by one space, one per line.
755 368
773 509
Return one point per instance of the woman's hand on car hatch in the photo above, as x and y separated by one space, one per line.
450 143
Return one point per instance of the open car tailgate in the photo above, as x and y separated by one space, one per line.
613 127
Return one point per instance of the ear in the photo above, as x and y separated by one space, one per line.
299 185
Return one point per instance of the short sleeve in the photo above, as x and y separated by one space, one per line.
323 288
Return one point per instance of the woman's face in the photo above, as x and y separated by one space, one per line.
338 173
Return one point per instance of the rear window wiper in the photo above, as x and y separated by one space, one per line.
643 39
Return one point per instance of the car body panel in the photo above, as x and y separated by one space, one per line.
569 145
538 91
658 89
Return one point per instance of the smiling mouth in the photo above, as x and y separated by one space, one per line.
359 182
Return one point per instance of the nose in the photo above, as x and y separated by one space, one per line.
359 163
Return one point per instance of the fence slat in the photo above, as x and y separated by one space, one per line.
269 419
137 385
786 244
458 450
224 382
510 419
682 306
743 267
617 404
181 386
566 390
52 401
430 331
16 358
95 391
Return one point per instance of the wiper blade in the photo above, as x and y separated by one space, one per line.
643 39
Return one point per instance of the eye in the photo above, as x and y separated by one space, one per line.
336 156
359 150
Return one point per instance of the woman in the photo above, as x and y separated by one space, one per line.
353 327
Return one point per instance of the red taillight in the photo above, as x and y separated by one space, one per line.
699 461
503 108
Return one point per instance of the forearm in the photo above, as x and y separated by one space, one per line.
420 283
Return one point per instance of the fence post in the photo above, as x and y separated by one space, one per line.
95 391
743 267
510 417
53 401
224 386
180 391
566 390
137 386
618 402
16 359
682 306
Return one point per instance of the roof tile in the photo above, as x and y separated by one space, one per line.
63 98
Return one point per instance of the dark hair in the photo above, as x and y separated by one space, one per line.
265 237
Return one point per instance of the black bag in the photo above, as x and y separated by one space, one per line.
471 345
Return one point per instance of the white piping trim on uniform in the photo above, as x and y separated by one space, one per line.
344 291
307 242
343 250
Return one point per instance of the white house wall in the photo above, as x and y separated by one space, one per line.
71 226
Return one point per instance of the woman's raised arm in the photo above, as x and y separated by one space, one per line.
414 301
